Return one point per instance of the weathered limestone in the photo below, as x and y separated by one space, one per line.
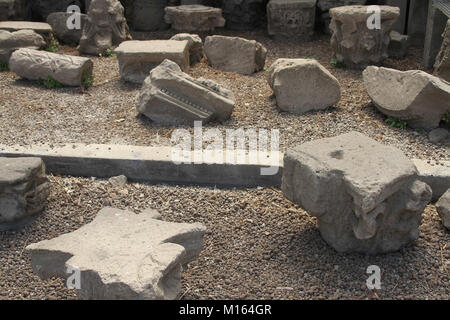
195 45
244 14
58 22
323 6
35 65
366 195
436 175
234 54
443 209
106 27
193 18
10 41
44 29
137 58
148 15
291 18
353 43
442 64
13 10
170 96
23 190
414 96
302 85
122 255
398 46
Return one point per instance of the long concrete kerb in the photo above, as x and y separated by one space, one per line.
155 164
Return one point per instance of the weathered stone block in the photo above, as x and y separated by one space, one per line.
193 18
443 209
23 190
122 255
105 28
137 58
414 96
170 96
436 175
195 45
356 44
42 28
234 54
11 41
398 46
35 65
302 85
366 195
442 64
58 22
291 18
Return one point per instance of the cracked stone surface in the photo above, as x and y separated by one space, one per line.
24 188
367 196
122 255
171 96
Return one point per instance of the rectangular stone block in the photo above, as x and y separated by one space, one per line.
137 58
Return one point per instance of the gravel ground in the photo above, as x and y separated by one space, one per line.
258 246
106 112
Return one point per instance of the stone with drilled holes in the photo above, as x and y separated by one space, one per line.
24 188
137 58
414 96
357 41
193 18
366 196
58 21
105 28
302 85
122 255
291 18
170 96
443 209
35 65
195 44
11 41
234 54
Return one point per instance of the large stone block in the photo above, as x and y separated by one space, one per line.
58 22
148 15
35 65
356 44
122 255
302 85
442 64
42 28
105 28
436 175
234 54
169 96
23 190
11 41
443 209
193 18
137 58
291 18
195 44
414 96
366 196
